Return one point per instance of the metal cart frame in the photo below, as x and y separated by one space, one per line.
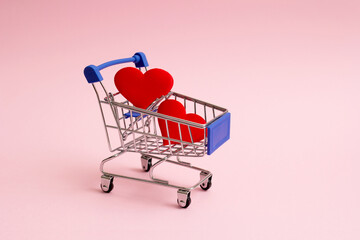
137 130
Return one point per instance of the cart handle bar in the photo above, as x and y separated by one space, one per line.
92 72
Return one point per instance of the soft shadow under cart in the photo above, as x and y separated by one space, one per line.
137 130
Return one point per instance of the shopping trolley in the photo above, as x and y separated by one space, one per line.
137 130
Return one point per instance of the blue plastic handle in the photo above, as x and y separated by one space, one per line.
92 72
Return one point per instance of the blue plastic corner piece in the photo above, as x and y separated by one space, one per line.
140 60
92 74
134 114
218 133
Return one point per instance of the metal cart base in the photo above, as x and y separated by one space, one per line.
183 193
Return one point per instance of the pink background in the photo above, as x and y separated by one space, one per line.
288 71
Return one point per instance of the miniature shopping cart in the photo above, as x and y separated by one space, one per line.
137 130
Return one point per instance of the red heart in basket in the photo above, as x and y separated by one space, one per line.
142 89
174 108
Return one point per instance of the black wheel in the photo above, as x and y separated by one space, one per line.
207 184
188 202
146 163
111 187
149 165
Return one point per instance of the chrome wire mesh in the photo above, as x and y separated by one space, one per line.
137 129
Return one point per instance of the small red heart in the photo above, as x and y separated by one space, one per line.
176 109
142 89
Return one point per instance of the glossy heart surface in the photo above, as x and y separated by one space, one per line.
142 89
174 108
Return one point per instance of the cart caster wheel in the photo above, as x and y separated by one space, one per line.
107 183
207 183
184 199
146 163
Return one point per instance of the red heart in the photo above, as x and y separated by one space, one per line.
176 109
142 89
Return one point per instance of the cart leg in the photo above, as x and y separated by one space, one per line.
146 162
208 180
182 162
183 198
162 160
107 183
